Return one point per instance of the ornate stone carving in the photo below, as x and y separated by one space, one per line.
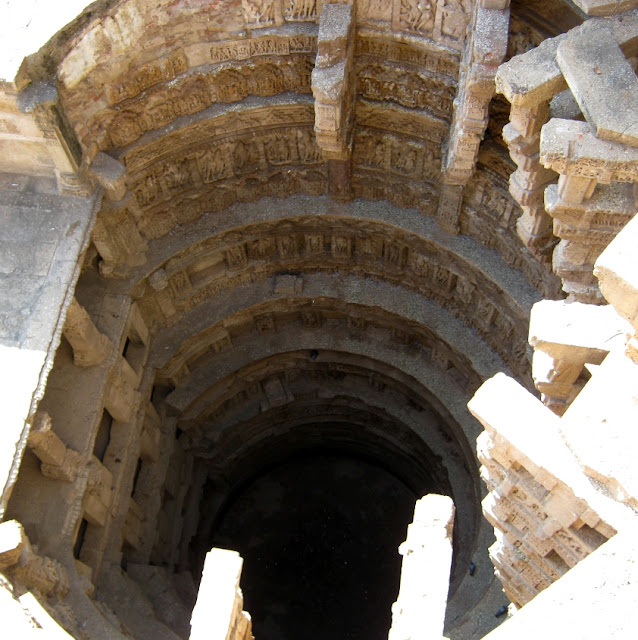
261 13
416 15
301 10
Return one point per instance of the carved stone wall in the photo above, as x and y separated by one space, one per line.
304 236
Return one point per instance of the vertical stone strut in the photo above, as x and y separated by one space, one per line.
484 50
333 88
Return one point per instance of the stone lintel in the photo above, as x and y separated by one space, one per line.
604 85
572 148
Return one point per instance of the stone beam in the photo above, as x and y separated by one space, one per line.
419 611
617 274
57 461
98 496
575 333
566 337
40 99
604 85
90 347
110 174
532 78
605 7
121 391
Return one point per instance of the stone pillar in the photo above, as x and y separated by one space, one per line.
90 347
419 612
530 81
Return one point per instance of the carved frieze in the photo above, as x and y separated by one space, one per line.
365 250
441 20
156 108
421 57
374 12
398 156
414 90
161 70
302 10
261 13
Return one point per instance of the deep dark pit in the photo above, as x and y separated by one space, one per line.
319 537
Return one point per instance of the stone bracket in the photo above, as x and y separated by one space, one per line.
90 346
57 461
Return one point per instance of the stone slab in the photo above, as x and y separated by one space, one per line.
575 333
534 77
605 7
606 412
572 148
604 85
617 274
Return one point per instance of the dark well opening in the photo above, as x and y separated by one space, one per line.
319 536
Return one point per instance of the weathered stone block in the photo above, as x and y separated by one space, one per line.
603 83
